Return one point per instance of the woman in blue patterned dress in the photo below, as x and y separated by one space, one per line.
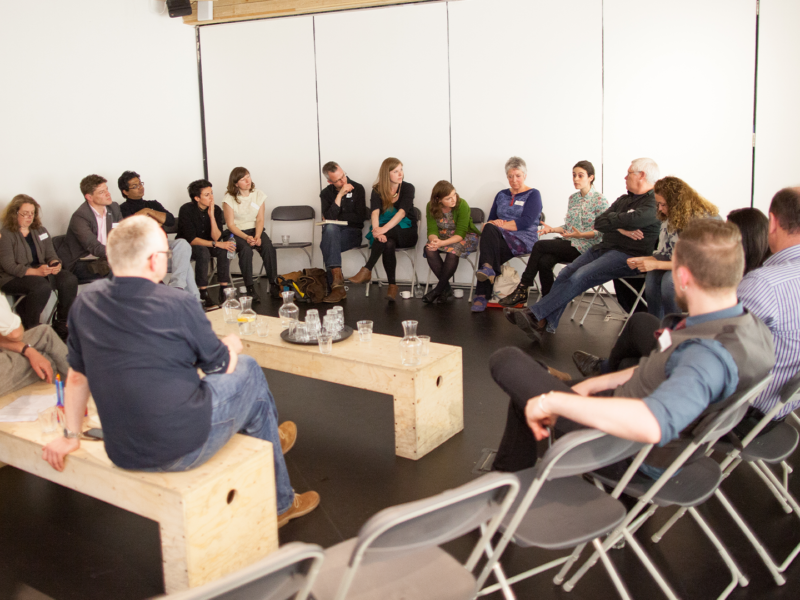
512 229
577 235
677 203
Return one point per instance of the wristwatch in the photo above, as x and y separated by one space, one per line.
213 243
24 349
71 435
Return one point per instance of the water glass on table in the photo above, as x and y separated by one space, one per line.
325 340
285 240
312 320
365 330
329 324
262 326
425 346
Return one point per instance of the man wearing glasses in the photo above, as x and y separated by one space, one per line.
180 267
158 415
342 200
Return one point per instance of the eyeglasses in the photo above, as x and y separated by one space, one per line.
132 186
340 178
26 214
167 252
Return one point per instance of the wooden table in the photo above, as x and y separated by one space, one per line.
428 398
213 520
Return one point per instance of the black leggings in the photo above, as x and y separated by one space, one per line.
443 265
494 251
395 238
545 255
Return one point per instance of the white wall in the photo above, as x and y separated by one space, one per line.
777 116
679 89
100 86
261 113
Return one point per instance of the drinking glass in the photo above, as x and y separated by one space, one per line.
262 327
48 419
365 330
285 240
325 340
424 347
312 320
301 332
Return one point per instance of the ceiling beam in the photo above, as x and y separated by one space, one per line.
242 10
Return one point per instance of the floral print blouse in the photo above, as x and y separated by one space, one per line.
581 213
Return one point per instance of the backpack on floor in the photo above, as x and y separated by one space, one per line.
309 285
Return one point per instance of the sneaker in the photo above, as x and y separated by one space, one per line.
518 296
479 304
485 273
588 364
287 431
302 505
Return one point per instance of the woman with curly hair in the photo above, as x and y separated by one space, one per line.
29 265
677 203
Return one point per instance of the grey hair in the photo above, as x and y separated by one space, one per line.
132 242
515 162
649 167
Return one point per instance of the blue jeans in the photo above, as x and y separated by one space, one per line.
335 240
181 267
659 292
593 267
241 403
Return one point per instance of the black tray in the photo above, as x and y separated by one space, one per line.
343 335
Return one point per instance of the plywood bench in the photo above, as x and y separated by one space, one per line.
428 397
213 520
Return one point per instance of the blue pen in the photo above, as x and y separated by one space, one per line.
59 391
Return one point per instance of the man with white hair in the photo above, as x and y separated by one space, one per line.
630 228
138 346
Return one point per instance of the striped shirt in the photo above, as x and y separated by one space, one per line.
772 293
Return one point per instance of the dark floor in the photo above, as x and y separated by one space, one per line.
60 544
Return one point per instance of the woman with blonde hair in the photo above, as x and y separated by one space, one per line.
394 224
677 204
30 266
244 207
451 235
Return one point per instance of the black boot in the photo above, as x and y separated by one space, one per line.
253 293
206 300
518 296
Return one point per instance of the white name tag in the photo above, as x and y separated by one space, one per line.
664 340
519 203
631 210
43 236
350 195
114 225
254 205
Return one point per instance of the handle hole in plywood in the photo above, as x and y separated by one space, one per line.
439 381
231 496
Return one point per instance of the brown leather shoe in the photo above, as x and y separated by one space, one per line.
391 293
338 278
287 431
302 505
560 375
363 276
337 295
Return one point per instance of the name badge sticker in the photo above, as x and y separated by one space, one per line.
350 195
631 210
114 225
43 236
254 205
664 340
519 203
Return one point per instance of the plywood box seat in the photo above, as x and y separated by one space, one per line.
213 520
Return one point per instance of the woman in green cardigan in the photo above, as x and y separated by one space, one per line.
451 235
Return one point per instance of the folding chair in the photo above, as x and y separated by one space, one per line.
682 484
409 253
561 510
524 258
397 554
758 451
294 213
623 316
287 573
478 217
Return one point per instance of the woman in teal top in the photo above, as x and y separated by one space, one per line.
451 235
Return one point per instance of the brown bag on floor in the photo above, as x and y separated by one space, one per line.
314 284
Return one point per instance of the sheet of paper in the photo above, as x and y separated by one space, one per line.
332 223
26 408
